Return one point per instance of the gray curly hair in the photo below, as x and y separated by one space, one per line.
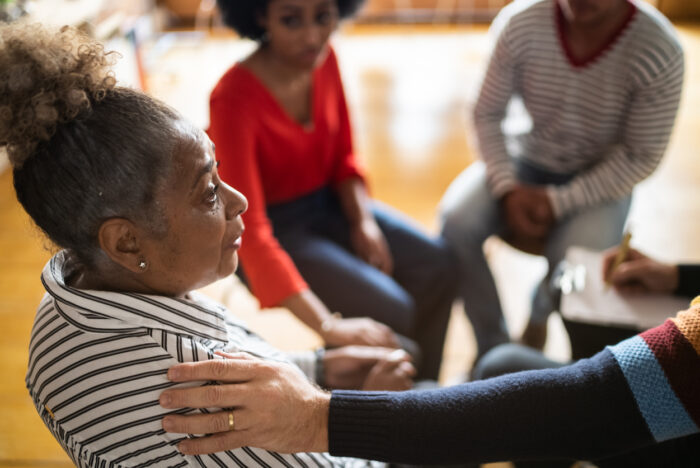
82 148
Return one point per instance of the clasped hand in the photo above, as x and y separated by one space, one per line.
359 331
368 368
528 213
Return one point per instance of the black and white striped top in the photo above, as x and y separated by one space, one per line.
607 121
98 362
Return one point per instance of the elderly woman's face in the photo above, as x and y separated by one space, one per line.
203 216
298 30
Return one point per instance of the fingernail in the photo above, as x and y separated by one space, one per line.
397 354
173 374
165 400
184 447
167 424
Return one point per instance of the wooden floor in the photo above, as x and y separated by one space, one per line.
409 89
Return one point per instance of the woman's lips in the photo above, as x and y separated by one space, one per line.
310 55
236 243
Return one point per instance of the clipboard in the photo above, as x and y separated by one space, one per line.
585 298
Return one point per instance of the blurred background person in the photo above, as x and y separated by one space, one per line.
601 82
316 243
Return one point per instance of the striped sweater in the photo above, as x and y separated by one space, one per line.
606 121
98 362
624 402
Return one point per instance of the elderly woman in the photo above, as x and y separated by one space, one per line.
131 194
315 241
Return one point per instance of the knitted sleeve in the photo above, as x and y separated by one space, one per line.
496 90
688 280
651 116
635 394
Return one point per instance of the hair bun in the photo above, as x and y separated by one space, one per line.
47 77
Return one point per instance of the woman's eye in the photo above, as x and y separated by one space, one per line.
291 21
212 196
325 18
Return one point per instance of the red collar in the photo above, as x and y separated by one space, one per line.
579 63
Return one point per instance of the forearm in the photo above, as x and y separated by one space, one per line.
495 93
611 179
582 411
639 392
500 170
307 361
354 201
308 308
649 121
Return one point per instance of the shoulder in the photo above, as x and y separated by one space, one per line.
236 85
523 13
654 39
329 66
653 21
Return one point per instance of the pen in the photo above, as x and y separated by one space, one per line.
622 252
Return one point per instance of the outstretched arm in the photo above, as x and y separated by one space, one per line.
637 393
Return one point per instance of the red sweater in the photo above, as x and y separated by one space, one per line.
271 158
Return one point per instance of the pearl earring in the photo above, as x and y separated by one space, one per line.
143 264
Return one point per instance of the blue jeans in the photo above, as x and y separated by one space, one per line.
470 214
509 358
415 301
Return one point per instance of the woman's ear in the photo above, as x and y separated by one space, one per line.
119 239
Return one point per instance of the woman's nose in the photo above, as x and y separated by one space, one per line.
236 202
313 36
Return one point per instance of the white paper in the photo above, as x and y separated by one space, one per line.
588 300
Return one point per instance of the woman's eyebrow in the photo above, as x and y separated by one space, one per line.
290 8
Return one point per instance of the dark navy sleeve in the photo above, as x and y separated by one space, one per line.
583 411
688 280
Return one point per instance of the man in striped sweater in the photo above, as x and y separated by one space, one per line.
600 81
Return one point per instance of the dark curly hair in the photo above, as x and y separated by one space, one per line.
82 149
242 15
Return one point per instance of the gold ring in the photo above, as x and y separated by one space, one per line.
231 421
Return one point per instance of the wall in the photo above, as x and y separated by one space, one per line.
680 10
432 10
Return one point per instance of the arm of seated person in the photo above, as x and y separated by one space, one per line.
594 408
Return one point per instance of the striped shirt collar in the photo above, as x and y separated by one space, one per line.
113 312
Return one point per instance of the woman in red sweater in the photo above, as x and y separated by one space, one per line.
315 241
